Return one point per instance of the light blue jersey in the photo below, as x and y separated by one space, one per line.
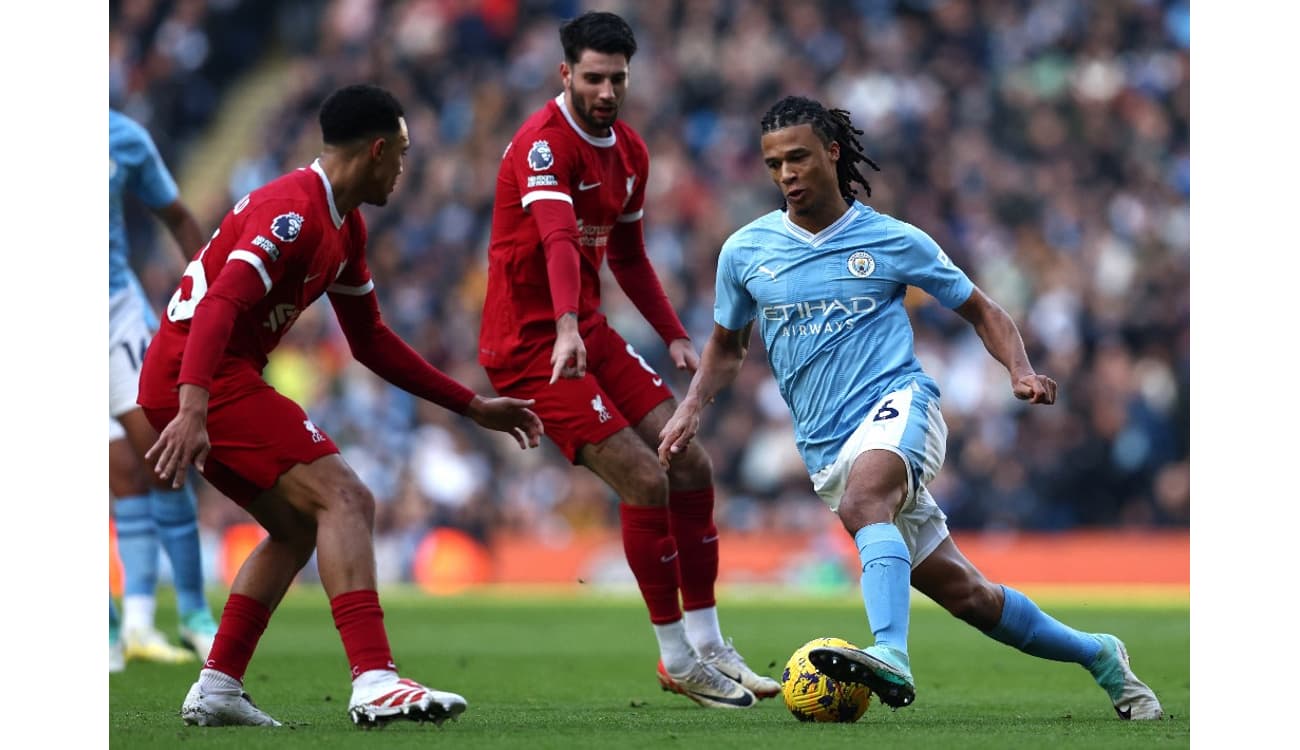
135 166
830 310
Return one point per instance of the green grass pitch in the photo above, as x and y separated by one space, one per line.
577 671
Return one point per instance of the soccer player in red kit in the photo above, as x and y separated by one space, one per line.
569 193
278 250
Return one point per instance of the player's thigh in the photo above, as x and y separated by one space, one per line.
628 466
255 438
138 431
324 485
126 476
690 469
876 489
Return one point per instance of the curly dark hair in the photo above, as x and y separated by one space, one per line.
829 125
358 111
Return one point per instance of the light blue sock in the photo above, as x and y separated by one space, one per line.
137 545
886 582
1030 629
174 514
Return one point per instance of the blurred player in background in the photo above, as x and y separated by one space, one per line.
279 249
825 279
146 512
570 192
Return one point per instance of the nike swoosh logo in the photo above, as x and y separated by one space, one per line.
657 381
582 186
309 278
708 539
668 558
1126 713
740 701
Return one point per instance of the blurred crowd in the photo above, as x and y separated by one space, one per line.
1043 144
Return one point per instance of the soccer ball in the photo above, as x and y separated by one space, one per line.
812 696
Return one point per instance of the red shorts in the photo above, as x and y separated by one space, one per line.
618 390
255 438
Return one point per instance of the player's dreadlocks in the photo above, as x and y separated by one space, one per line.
829 125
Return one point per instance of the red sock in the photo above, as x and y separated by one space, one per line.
360 621
243 621
652 556
690 515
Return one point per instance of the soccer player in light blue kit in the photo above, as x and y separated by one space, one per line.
147 511
825 280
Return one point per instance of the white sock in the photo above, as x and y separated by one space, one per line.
674 650
702 629
372 676
212 681
137 612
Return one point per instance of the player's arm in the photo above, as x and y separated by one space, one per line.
557 225
1002 339
723 355
184 228
154 184
376 346
637 278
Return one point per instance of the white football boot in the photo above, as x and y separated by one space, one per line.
707 686
222 708
400 698
729 662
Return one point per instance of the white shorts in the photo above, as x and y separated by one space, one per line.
906 422
128 336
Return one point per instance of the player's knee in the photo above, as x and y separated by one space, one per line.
647 484
691 469
126 477
127 484
860 509
353 499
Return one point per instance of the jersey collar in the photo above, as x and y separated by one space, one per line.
605 142
329 194
825 235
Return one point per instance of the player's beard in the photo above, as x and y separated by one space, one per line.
583 108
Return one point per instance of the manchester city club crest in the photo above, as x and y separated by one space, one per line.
861 264
540 156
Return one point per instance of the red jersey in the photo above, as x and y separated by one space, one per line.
551 158
290 231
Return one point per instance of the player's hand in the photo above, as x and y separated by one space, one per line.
509 415
679 430
1036 389
183 441
569 357
682 353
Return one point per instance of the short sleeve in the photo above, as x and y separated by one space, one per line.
733 307
149 178
925 265
543 164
